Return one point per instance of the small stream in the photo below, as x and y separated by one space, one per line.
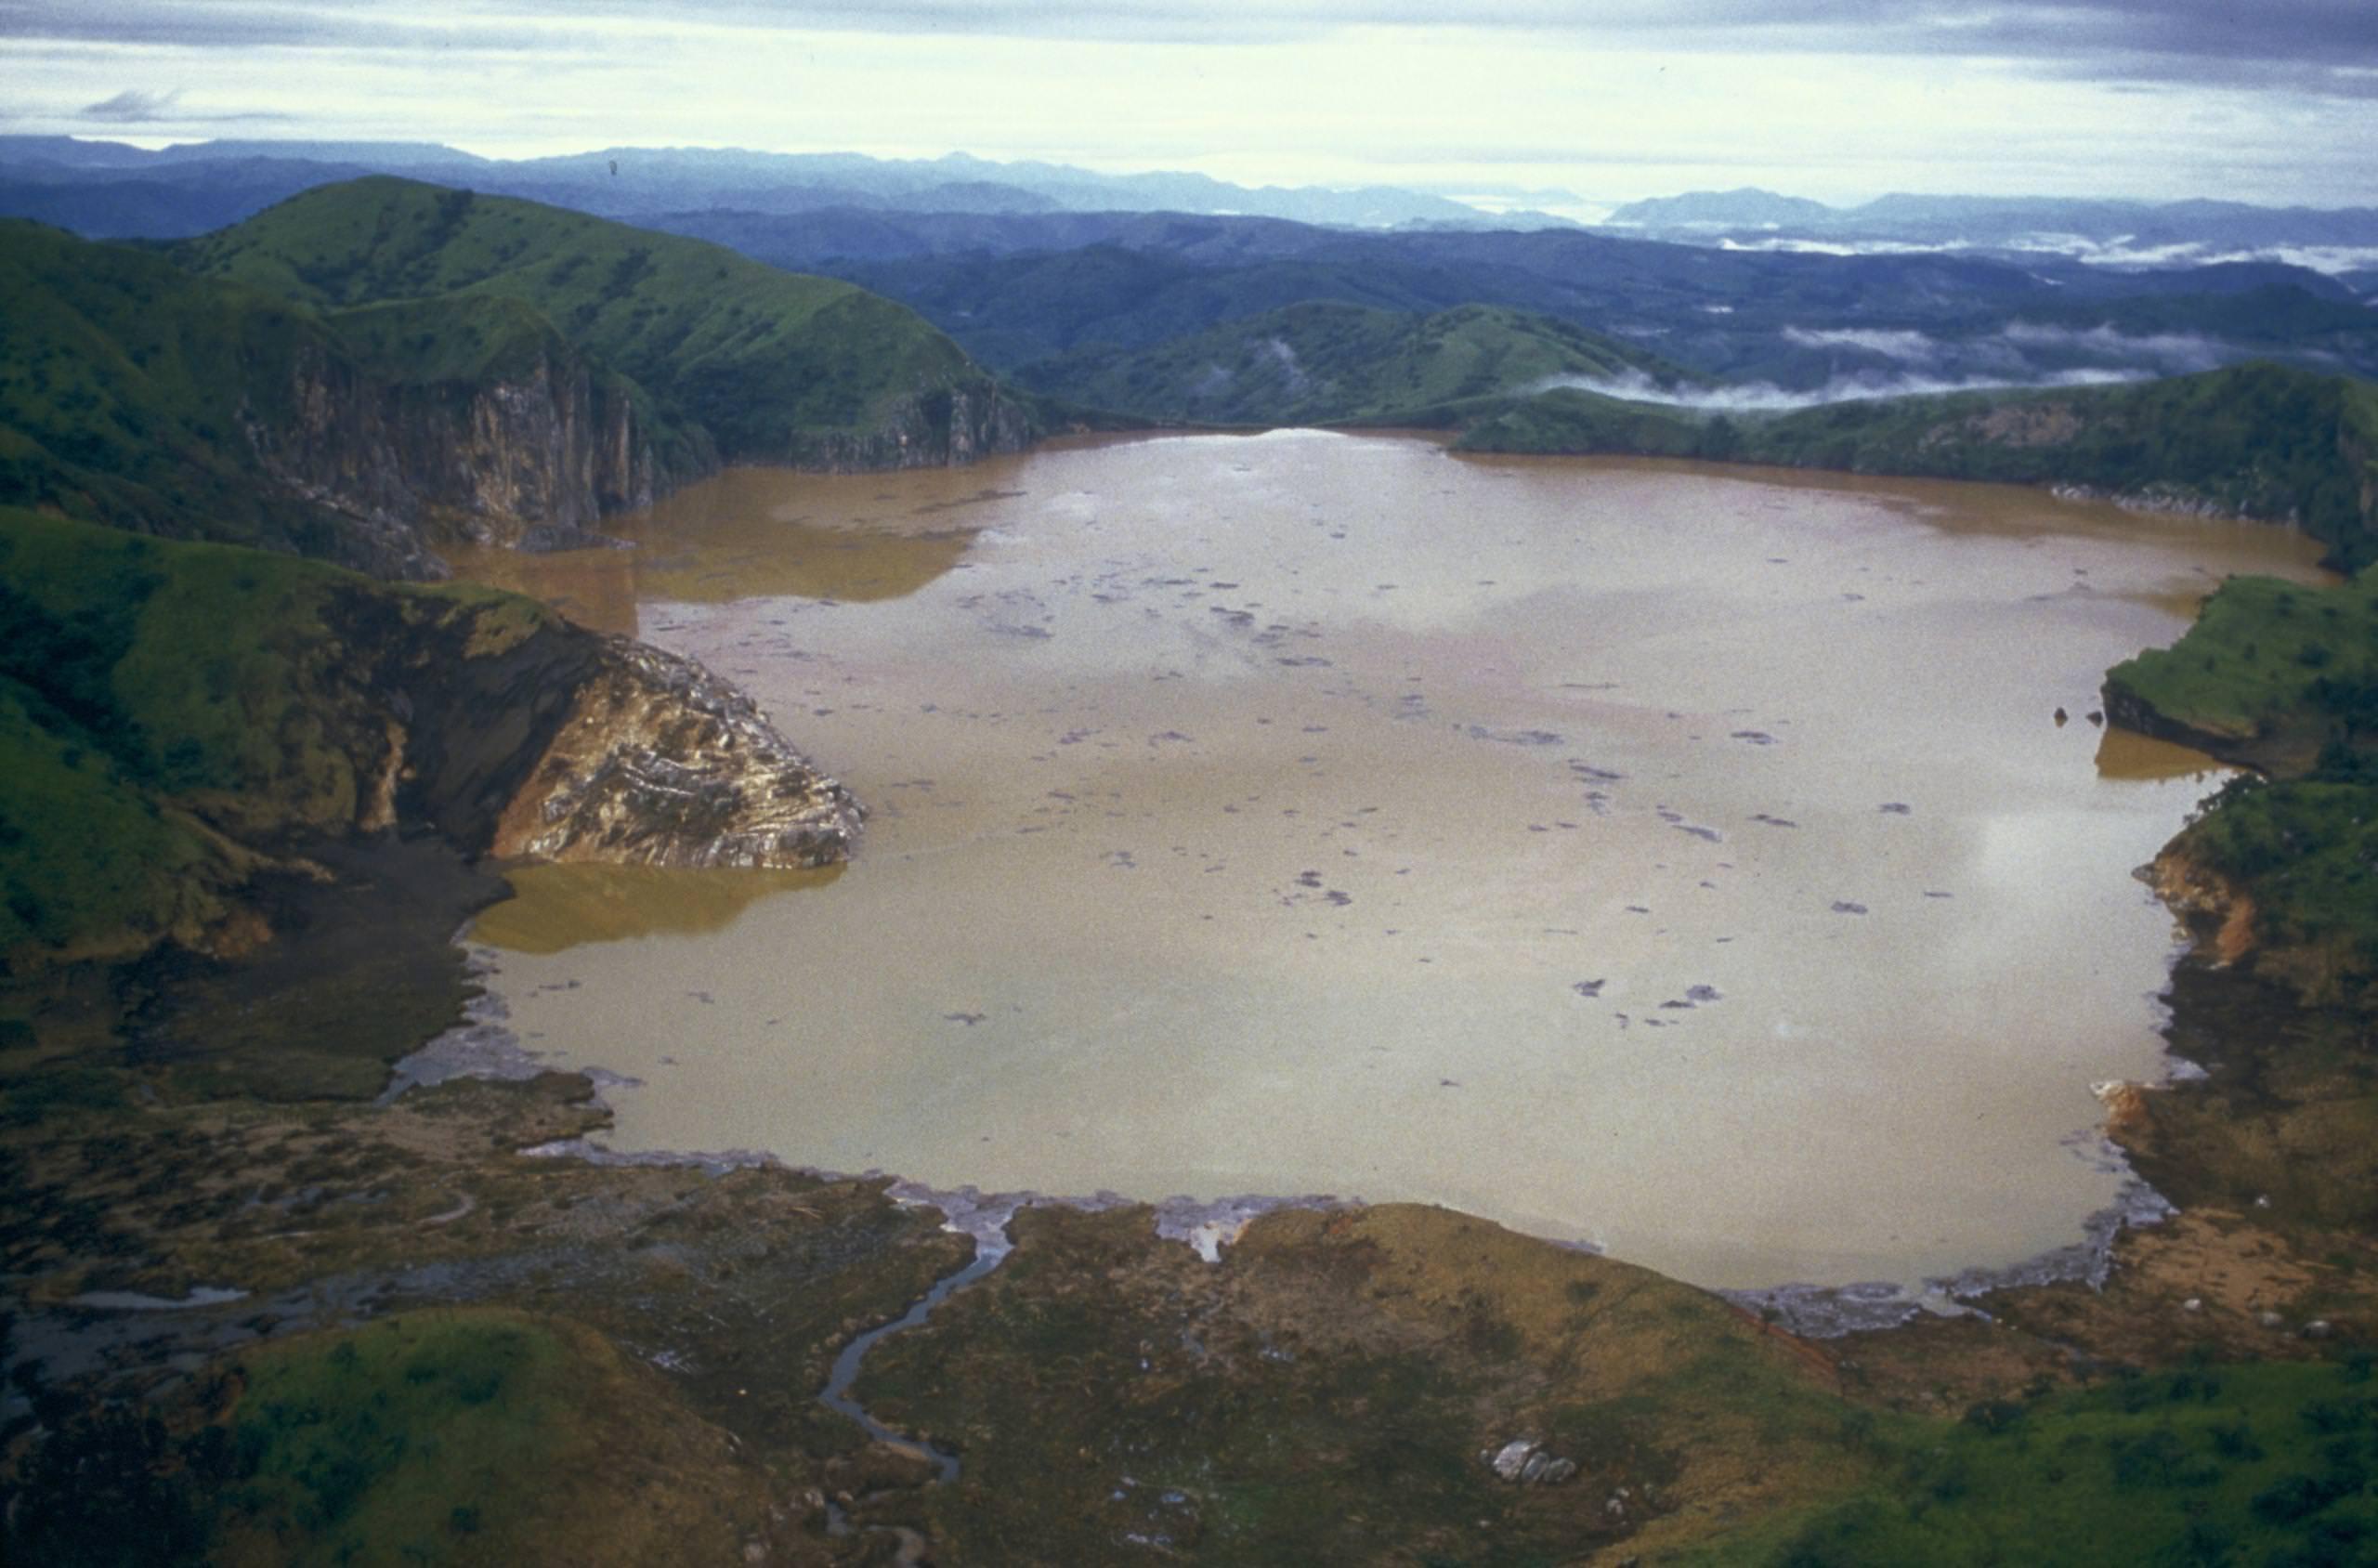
969 1213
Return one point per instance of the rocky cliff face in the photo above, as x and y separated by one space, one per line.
565 744
532 459
659 763
976 418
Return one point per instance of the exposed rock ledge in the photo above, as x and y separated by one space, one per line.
509 732
660 763
2219 914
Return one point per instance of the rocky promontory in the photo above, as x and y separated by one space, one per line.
660 763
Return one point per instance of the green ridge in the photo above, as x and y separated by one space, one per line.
762 359
1334 363
2261 441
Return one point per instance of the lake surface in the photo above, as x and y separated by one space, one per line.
1681 860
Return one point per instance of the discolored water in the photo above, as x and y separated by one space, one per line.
1682 859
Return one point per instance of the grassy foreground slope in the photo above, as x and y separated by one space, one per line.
773 366
1328 360
440 1436
2258 441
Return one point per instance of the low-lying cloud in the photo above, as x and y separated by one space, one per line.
1634 386
2123 252
1913 346
2177 353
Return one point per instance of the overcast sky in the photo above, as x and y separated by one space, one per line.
2269 100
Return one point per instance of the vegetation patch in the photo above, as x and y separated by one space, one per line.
1325 361
2258 441
2267 1463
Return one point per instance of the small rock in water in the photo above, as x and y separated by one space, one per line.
1589 987
2062 718
1843 907
1896 808
1704 993
2096 716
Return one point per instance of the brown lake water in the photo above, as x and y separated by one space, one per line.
1681 859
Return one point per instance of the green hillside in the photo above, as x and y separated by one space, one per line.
137 394
1329 361
165 705
2284 678
771 364
123 385
2261 441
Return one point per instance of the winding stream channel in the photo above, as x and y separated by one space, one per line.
1683 860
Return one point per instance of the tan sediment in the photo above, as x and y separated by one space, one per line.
2219 912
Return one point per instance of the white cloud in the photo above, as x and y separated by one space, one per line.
2173 352
1913 346
1763 397
1609 113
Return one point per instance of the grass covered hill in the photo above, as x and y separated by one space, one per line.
2258 441
137 394
170 713
1324 360
124 383
772 366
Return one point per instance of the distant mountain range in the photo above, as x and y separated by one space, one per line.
108 189
104 190
1175 297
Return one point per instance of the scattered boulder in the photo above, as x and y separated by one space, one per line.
1524 1462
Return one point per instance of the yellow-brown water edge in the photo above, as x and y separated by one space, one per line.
560 906
1683 859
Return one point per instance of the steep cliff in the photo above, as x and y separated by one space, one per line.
376 371
769 366
953 425
658 761
527 446
136 394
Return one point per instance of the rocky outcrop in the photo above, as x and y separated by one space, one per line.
2126 708
659 763
516 736
2219 913
949 426
530 458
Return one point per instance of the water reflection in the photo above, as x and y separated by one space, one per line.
558 907
757 533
